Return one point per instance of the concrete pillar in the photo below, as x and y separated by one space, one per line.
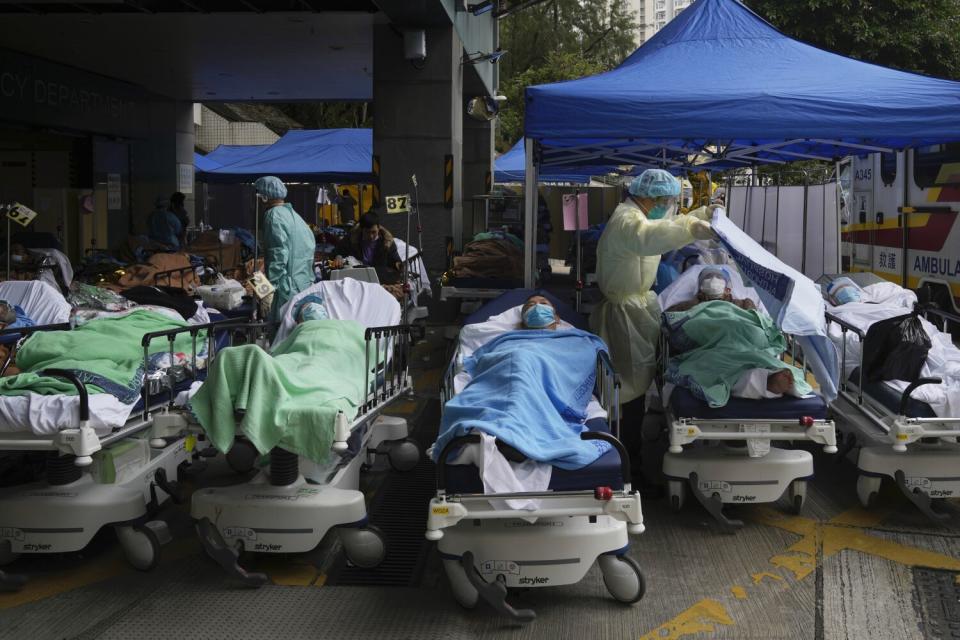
477 167
418 122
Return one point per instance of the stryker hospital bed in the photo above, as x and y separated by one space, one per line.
112 460
311 484
555 534
723 454
904 431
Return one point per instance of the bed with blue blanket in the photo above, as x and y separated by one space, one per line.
533 391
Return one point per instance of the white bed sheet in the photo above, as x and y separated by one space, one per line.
421 284
943 360
46 415
347 299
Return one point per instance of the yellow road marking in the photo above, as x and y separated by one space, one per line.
703 617
113 564
738 592
758 577
290 574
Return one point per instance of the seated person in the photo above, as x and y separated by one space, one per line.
713 283
163 226
373 246
842 291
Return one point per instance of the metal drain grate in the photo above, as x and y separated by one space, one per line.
400 511
939 596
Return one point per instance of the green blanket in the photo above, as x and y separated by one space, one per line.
714 343
105 354
290 398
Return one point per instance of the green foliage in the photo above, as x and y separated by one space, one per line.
554 41
329 115
914 35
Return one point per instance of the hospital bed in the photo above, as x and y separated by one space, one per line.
723 455
291 504
103 470
905 432
583 516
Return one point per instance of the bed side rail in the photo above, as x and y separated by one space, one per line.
447 389
607 390
390 369
182 272
232 326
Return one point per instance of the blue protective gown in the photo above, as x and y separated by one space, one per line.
163 227
289 246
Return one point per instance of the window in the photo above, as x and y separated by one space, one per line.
930 165
661 16
888 167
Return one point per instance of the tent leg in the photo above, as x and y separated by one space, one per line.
530 215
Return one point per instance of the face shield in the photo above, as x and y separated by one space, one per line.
663 207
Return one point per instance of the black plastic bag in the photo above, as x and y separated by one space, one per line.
895 349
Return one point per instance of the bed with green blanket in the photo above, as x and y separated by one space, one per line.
105 354
290 397
714 343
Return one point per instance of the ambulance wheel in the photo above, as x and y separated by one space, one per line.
365 548
7 554
140 545
404 455
797 495
677 490
242 456
623 578
868 489
463 590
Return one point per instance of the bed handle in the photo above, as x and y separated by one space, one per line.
72 378
905 398
616 444
447 450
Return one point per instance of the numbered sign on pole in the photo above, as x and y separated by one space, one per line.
398 204
21 215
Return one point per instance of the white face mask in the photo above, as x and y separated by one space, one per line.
713 287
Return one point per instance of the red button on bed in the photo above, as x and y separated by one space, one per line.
603 493
806 421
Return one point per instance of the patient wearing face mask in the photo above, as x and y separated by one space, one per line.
713 283
538 313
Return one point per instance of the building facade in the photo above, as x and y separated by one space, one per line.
653 15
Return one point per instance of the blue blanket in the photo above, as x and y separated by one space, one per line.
530 389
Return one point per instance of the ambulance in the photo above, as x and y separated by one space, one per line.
899 218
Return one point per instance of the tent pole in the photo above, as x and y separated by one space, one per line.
823 230
576 213
776 224
530 214
803 245
839 253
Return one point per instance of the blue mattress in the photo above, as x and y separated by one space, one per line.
603 472
686 405
516 297
890 398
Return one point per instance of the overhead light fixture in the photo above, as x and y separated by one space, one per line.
478 57
481 7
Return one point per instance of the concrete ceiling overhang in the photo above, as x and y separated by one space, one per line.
237 56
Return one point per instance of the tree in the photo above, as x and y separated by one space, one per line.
554 41
913 35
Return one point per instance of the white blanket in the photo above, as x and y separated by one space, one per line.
347 299
420 283
46 415
43 303
943 360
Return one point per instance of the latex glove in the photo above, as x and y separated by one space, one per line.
701 230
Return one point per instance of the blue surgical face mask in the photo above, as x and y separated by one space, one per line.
539 316
846 294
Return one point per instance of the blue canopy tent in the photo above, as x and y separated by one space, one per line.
224 154
509 167
322 155
720 87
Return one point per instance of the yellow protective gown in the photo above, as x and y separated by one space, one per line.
628 319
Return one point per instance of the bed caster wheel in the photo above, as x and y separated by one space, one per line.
868 489
365 548
677 490
242 456
623 578
404 455
7 554
463 590
141 545
798 495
